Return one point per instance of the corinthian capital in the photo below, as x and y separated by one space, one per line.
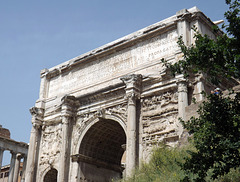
37 116
182 85
69 104
132 81
133 87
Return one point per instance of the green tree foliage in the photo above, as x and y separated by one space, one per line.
216 133
218 57
162 167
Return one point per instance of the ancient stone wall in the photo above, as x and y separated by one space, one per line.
4 132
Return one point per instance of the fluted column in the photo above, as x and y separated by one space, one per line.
24 168
182 97
133 84
68 104
199 88
16 168
12 166
37 120
182 101
1 157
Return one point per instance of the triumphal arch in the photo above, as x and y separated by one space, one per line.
100 114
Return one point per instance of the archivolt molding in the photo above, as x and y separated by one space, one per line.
85 122
46 169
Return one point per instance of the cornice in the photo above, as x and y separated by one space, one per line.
126 41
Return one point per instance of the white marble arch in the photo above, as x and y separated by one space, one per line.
115 117
74 167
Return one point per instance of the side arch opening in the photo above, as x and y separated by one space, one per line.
101 151
51 176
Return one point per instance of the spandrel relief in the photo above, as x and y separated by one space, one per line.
51 144
120 110
83 119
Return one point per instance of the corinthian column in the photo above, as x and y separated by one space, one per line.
68 106
182 100
133 83
182 97
37 119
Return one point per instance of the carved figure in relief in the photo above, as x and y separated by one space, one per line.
119 109
162 100
51 144
159 119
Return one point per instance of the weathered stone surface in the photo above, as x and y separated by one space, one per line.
4 132
117 95
18 150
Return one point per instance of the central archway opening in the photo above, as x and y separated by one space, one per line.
101 151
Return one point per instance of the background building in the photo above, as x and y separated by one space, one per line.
5 173
15 171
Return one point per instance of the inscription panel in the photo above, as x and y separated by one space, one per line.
112 65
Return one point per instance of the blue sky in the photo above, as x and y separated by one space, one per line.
41 34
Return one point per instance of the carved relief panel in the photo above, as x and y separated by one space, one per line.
51 144
159 116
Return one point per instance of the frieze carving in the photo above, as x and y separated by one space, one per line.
98 97
169 137
159 116
159 123
51 144
160 101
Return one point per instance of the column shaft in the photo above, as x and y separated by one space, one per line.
1 157
32 154
133 89
16 168
131 137
24 169
64 153
182 99
37 117
68 106
12 167
182 103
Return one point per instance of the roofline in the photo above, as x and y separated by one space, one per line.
124 41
